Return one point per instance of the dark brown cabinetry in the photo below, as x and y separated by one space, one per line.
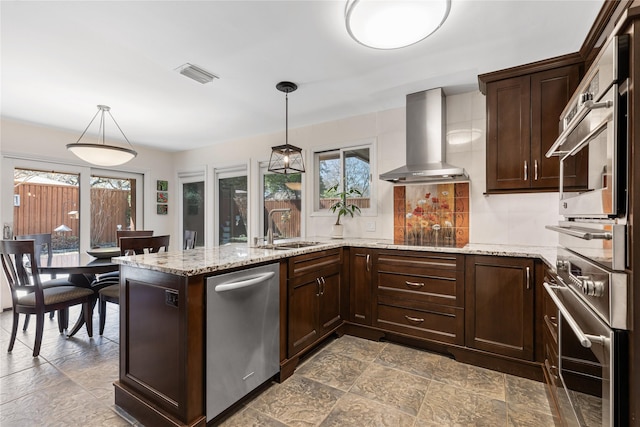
549 325
360 285
161 348
420 294
523 115
314 298
499 305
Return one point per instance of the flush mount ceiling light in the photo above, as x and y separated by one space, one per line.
286 158
196 73
392 24
99 153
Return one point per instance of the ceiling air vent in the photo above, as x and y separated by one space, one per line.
196 73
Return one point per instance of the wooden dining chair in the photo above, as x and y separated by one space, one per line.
43 245
132 233
189 239
113 277
19 265
110 288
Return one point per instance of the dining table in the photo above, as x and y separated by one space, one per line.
81 269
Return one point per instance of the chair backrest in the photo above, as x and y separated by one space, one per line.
17 262
42 244
132 233
190 239
151 244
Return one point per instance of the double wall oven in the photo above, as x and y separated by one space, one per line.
590 288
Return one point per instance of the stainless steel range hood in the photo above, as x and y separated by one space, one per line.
426 114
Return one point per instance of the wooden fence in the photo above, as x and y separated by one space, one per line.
44 207
284 225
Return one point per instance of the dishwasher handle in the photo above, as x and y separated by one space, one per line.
239 284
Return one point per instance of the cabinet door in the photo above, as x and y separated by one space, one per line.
550 92
508 134
499 311
329 302
303 314
360 286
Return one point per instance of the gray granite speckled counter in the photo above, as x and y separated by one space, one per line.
209 260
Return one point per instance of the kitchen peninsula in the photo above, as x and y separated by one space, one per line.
344 286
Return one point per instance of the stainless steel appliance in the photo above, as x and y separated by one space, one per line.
592 351
591 290
595 123
243 334
426 142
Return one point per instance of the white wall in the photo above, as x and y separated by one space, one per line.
499 219
23 143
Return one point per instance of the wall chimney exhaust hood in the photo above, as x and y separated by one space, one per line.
426 121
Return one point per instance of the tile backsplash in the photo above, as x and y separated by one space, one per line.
431 214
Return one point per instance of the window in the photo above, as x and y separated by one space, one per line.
113 207
48 202
80 206
281 192
232 209
346 168
193 195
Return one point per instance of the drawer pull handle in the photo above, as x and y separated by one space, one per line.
414 319
414 284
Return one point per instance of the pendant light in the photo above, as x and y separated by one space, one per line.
386 24
101 154
286 158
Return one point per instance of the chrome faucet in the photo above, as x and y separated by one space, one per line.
270 223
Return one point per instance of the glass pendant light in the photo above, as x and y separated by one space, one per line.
286 158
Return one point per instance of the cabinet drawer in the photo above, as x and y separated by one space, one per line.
401 260
437 323
420 276
311 263
441 287
551 358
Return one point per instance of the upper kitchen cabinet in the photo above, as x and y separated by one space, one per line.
523 112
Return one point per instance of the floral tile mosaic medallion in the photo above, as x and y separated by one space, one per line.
431 214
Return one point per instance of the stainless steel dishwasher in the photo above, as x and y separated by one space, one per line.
243 334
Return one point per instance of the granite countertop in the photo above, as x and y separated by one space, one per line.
198 261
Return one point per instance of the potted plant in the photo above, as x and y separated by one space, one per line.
342 207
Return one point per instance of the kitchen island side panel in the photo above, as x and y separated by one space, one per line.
161 378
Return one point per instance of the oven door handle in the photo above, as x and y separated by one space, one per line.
587 139
584 235
584 110
585 340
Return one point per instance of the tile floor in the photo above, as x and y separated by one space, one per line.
348 382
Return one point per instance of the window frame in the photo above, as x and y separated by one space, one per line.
222 172
263 170
371 144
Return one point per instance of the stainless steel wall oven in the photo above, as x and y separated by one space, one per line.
591 290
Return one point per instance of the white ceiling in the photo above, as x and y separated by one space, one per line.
59 59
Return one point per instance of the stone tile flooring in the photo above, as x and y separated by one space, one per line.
348 382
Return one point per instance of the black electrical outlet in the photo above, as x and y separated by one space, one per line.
171 298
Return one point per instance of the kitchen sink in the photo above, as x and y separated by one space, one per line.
289 245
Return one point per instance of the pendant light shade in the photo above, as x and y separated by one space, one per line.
393 24
99 153
286 158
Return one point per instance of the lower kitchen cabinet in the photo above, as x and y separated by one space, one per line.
549 327
420 294
499 305
314 298
360 285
